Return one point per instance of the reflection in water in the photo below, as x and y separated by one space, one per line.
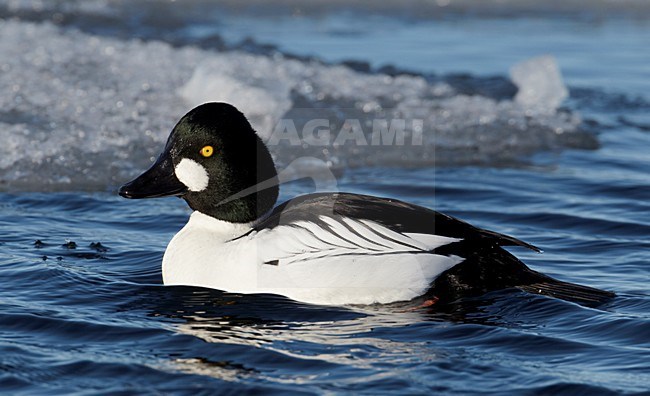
268 331
273 342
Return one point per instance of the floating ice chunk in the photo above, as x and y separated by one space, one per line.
540 84
86 111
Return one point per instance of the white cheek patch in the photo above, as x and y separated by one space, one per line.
192 174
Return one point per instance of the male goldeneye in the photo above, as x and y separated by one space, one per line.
325 248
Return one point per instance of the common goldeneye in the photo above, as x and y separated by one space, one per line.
324 248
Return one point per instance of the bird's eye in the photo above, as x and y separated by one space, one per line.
207 151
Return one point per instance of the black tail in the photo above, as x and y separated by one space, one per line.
584 295
492 268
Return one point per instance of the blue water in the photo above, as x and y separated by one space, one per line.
82 308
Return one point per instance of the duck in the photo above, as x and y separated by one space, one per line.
333 248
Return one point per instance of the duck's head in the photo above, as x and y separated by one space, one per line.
212 155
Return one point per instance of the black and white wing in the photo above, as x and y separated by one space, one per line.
462 260
346 224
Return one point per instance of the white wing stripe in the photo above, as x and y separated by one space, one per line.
324 235
366 233
349 235
395 236
432 241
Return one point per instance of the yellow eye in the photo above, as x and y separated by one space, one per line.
207 151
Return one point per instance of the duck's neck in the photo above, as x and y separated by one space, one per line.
241 210
225 230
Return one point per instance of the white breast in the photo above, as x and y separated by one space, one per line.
335 261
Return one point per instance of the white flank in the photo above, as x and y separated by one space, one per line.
192 174
335 262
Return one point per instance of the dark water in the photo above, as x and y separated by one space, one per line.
96 317
82 308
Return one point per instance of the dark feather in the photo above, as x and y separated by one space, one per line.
488 269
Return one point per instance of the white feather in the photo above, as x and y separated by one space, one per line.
343 232
392 235
432 241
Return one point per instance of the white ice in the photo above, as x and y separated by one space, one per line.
85 111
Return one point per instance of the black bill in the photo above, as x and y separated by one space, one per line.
159 181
